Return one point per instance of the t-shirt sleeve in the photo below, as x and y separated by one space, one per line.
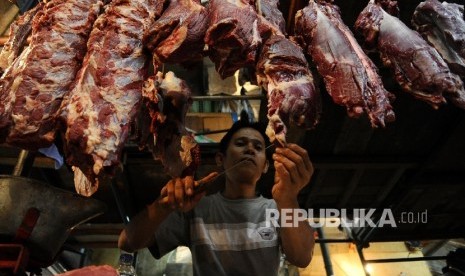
173 232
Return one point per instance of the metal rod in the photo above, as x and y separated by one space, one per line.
211 132
18 169
334 241
362 259
415 259
325 253
290 14
366 238
119 203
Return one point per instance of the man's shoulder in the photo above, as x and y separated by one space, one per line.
268 201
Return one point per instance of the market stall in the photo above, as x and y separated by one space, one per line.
123 92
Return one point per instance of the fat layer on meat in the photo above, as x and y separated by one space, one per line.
166 100
107 91
33 87
292 97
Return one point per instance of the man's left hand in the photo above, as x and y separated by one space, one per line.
293 172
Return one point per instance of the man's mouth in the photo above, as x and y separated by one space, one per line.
247 159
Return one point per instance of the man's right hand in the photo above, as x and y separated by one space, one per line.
184 193
180 193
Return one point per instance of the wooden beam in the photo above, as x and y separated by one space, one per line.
39 162
8 12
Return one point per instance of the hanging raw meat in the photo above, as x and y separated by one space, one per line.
177 36
19 31
107 91
292 98
443 26
233 36
270 11
33 87
351 78
418 67
166 100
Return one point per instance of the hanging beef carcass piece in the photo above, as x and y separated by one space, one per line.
443 26
418 67
107 91
34 85
292 98
270 11
19 31
270 22
166 100
351 78
177 36
389 6
233 36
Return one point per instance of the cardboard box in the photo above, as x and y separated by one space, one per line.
207 122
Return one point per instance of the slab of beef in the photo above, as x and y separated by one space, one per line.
177 36
107 91
443 26
270 11
418 67
292 98
166 100
19 31
351 78
390 6
42 75
233 36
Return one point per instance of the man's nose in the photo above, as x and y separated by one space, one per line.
250 149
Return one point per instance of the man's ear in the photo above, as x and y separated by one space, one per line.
267 165
219 157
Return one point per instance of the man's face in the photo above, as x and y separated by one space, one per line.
247 146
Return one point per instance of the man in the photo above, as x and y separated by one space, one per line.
227 232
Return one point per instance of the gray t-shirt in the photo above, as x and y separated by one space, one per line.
226 237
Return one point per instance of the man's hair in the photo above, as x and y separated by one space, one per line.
243 122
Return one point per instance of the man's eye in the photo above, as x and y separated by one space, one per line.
258 147
240 143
